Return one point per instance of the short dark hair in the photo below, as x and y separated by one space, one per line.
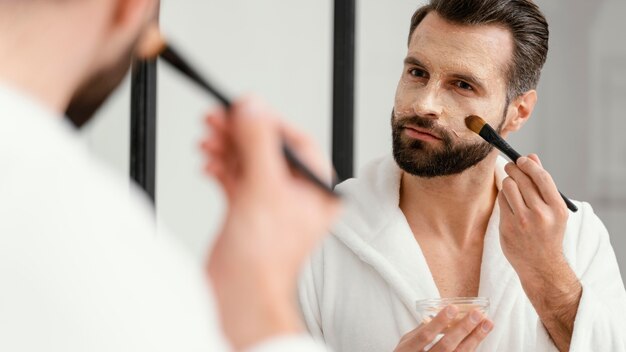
522 18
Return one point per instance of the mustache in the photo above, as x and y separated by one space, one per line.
422 122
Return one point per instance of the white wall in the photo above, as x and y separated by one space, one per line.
283 50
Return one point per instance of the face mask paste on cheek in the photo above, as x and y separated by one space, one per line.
451 108
452 119
451 124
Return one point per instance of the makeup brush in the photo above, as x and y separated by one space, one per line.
483 129
153 45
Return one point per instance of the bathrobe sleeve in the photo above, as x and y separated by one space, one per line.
600 323
310 285
289 344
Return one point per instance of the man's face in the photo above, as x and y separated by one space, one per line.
450 72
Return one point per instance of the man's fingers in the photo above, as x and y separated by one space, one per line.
513 196
527 187
505 208
476 337
458 332
216 170
407 341
257 139
541 178
214 145
307 151
218 139
216 120
427 333
535 158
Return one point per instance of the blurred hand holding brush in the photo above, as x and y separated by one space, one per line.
275 218
279 207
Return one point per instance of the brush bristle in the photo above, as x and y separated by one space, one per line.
475 123
151 43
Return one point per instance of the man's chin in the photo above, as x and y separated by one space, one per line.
431 163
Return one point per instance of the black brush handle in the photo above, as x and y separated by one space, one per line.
571 206
490 135
296 164
173 58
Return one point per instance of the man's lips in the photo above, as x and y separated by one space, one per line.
420 133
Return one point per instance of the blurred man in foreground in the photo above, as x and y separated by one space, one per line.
80 267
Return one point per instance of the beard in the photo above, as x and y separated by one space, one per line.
422 159
96 89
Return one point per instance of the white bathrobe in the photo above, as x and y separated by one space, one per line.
359 291
81 269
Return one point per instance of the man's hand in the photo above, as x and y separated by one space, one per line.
274 220
464 334
533 217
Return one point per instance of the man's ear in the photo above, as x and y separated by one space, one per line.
125 23
520 111
134 13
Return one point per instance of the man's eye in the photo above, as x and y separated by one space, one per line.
464 85
417 73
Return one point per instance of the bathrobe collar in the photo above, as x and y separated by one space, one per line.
376 230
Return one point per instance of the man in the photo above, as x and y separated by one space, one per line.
80 267
448 217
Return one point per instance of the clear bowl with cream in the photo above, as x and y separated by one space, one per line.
429 308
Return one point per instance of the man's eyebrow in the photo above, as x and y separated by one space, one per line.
471 79
410 60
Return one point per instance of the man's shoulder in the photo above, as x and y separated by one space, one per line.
584 220
76 228
585 235
377 186
371 197
371 174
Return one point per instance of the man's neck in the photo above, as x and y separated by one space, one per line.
453 208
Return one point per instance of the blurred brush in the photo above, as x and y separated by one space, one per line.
153 45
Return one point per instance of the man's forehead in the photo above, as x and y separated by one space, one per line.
483 50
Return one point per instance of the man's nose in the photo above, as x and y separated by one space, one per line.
427 102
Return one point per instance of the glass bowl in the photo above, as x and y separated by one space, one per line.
429 308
